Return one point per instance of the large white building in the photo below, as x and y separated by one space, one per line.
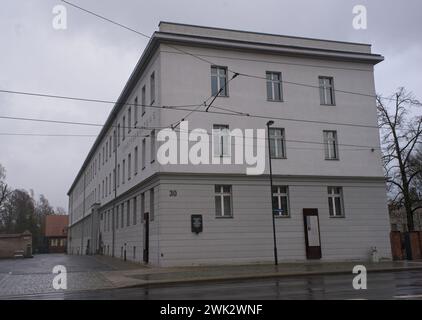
329 193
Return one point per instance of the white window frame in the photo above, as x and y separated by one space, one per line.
221 194
221 140
331 145
326 87
279 195
332 195
274 81
278 154
220 72
152 88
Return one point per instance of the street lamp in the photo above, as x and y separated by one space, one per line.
270 123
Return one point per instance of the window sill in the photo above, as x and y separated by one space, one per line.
328 104
224 217
269 100
332 159
278 158
338 217
282 217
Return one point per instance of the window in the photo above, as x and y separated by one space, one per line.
143 153
221 140
223 205
281 201
110 146
129 119
136 160
151 204
103 155
134 252
335 201
117 217
123 171
326 90
134 210
274 92
277 143
330 144
118 175
129 166
106 186
106 155
114 179
152 88
152 146
114 141
118 134
124 128
128 213
135 110
109 183
144 100
219 81
122 215
142 206
102 190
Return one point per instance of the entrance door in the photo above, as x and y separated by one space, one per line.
312 235
146 237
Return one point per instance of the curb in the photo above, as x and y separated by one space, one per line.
261 276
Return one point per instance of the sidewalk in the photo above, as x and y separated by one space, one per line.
142 276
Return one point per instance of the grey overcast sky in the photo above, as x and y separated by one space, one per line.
93 59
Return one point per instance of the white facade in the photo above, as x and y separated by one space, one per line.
173 72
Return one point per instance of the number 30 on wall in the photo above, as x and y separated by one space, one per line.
172 193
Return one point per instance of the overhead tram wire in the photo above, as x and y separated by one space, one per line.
186 108
153 128
212 63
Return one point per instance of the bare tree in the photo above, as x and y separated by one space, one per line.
401 130
4 188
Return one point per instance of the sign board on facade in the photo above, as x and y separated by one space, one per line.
196 223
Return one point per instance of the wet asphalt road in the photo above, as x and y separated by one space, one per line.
391 285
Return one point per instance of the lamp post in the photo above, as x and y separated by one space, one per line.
270 123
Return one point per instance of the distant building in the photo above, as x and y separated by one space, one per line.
16 245
398 219
56 233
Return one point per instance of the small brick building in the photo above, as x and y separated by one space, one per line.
16 245
56 233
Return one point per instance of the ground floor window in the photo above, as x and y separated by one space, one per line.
335 201
223 201
281 201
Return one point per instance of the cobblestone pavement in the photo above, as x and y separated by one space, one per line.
34 276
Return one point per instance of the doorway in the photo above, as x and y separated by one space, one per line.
312 234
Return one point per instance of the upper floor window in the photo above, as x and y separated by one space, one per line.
128 213
123 171
129 119
277 143
129 166
280 201
221 140
152 145
335 201
274 92
326 90
143 99
219 81
330 144
124 128
223 201
136 161
135 199
152 88
143 153
110 146
135 111
118 134
106 158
